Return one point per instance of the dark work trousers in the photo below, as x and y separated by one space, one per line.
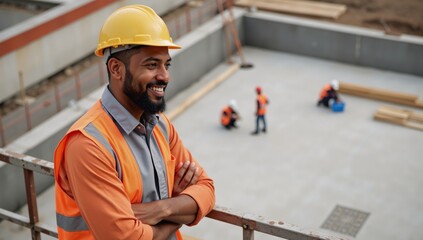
263 119
231 124
325 101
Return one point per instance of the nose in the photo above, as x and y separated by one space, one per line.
163 73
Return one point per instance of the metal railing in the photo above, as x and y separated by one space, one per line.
248 222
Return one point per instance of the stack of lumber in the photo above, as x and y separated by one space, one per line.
302 7
400 116
380 94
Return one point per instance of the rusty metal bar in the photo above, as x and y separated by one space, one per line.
15 218
248 222
46 229
251 223
247 232
31 198
27 162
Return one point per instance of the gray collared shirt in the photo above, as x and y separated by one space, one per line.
139 136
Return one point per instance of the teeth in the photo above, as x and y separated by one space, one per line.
157 89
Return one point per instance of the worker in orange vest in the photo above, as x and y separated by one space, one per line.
329 93
230 115
261 103
121 171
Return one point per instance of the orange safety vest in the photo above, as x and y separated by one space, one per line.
324 91
70 223
261 109
226 118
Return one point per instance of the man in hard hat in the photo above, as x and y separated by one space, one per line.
329 93
121 170
230 115
261 103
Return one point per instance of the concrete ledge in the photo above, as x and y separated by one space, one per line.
335 42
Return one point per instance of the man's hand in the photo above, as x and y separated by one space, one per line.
164 230
150 213
186 174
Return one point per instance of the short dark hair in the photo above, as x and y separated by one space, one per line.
123 56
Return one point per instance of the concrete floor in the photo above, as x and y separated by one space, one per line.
310 161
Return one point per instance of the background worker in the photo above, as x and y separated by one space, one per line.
329 92
261 103
230 115
121 170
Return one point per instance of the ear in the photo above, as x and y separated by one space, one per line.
116 69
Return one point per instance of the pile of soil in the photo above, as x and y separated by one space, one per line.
392 16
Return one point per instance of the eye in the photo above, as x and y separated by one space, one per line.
167 66
151 65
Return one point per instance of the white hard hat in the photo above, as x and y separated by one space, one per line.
335 84
232 104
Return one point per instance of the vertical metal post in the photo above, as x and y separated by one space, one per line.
247 233
226 31
31 198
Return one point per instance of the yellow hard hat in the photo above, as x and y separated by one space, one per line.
134 25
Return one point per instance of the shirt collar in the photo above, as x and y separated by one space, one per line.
121 116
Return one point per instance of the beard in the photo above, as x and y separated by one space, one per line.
141 99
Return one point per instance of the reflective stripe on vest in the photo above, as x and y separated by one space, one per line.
95 133
71 224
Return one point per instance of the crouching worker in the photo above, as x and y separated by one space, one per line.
329 94
121 171
230 115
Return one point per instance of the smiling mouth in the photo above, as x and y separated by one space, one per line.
157 90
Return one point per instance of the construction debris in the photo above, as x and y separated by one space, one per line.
400 116
380 94
311 8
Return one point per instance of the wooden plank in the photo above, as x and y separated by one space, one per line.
383 98
418 117
412 116
317 5
414 125
379 92
289 6
398 116
393 113
385 118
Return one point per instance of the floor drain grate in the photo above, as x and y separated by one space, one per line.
345 220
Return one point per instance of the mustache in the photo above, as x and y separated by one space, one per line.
157 83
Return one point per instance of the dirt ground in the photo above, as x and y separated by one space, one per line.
392 16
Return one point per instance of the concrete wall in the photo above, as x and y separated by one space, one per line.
59 49
203 49
335 42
